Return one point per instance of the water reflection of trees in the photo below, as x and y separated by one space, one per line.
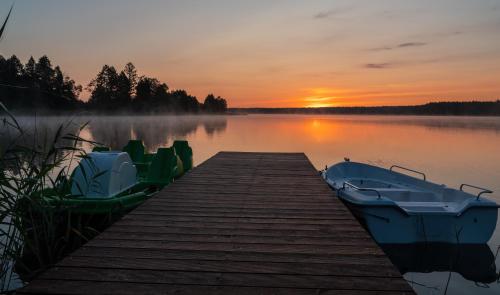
215 125
115 131
111 131
161 131
155 131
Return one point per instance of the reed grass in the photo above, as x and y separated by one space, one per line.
36 233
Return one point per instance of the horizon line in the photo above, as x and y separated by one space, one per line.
375 106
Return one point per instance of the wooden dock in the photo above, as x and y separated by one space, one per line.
240 223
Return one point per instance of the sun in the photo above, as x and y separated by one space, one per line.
319 101
320 97
319 105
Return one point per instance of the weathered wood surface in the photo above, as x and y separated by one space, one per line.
240 223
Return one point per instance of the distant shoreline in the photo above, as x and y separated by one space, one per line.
470 108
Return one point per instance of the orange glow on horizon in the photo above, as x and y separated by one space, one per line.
384 95
319 102
319 105
258 54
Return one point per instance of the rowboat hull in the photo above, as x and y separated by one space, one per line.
399 209
390 225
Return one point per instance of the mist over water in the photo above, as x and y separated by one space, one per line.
155 131
450 150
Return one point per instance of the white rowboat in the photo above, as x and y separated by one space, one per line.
400 209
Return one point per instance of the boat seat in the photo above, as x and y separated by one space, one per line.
135 148
399 194
428 206
395 190
185 153
163 167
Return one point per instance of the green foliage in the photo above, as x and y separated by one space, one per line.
151 94
113 91
34 232
184 102
36 85
107 89
214 104
131 74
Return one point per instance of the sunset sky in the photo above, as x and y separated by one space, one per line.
274 53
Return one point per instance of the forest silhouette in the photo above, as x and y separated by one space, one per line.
38 86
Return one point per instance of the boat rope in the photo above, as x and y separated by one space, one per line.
457 234
421 220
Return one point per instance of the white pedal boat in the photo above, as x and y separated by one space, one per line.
399 209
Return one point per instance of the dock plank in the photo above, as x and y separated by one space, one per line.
239 223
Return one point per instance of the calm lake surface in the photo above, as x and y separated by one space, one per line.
450 150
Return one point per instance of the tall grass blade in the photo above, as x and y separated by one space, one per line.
36 229
5 22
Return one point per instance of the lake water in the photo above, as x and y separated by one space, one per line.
450 150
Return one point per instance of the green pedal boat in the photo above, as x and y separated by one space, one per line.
109 182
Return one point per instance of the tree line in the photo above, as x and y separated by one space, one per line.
37 85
